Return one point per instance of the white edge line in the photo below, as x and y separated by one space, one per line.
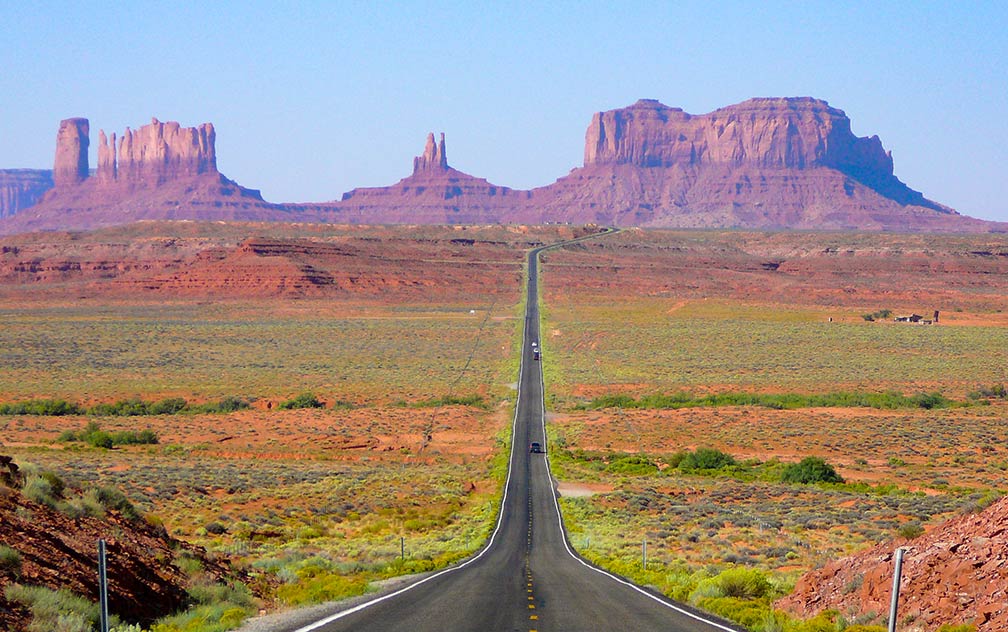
556 504
500 517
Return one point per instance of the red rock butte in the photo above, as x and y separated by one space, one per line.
766 163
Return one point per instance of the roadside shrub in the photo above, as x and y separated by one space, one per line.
52 610
304 400
38 489
705 459
911 530
744 583
965 627
811 469
112 498
319 588
10 560
633 465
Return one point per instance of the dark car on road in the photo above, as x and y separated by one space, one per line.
535 447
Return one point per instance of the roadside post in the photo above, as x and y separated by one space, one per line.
897 573
644 555
103 586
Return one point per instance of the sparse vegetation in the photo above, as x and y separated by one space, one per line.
10 560
52 610
123 408
890 400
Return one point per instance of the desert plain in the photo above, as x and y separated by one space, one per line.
401 344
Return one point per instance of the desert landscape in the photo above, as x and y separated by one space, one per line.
718 333
331 405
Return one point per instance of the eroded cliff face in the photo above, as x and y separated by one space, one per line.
21 188
156 153
796 132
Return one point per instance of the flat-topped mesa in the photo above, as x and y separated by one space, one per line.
434 159
796 132
71 165
157 153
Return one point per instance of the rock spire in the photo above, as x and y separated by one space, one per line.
71 166
433 158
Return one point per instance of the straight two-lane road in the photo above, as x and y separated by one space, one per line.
526 578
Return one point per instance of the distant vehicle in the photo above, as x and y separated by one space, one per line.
535 447
535 354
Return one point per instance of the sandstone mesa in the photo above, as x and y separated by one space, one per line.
766 163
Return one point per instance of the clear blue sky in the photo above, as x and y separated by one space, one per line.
313 99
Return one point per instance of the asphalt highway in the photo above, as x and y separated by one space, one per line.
526 578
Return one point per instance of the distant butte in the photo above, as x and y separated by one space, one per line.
766 163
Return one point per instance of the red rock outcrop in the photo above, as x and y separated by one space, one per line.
71 166
768 163
21 188
59 552
954 574
434 194
770 132
157 153
160 171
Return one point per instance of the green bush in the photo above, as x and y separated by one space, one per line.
93 435
304 400
811 469
705 459
46 407
965 627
